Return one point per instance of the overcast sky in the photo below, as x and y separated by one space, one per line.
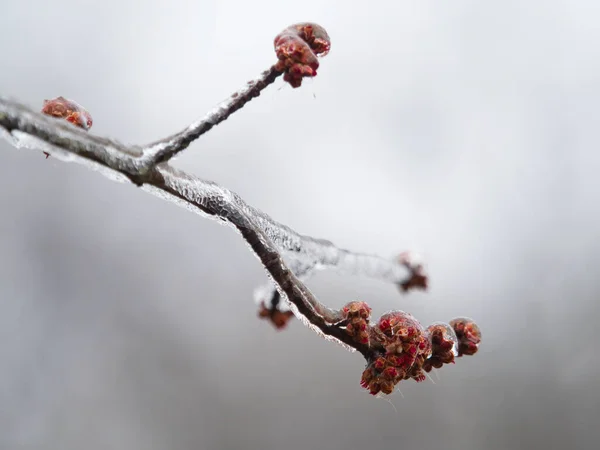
465 130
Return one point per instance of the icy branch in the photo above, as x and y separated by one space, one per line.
276 245
165 149
396 347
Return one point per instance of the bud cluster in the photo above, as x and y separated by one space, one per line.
297 48
405 346
356 316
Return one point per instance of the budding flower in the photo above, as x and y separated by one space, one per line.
468 334
404 347
444 346
69 110
297 48
278 318
417 278
72 112
357 315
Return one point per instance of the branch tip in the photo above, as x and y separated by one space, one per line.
468 334
444 346
417 278
297 48
279 319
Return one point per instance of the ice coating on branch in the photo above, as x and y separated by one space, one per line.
314 328
266 296
310 253
165 149
24 140
298 250
74 140
21 126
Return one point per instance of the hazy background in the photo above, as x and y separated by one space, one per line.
466 130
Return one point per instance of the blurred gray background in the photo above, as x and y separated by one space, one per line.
465 130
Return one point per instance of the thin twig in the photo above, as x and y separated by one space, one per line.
163 150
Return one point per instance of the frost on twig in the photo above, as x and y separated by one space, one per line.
165 149
406 272
274 243
396 347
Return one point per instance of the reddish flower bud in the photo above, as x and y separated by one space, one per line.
444 345
357 315
468 334
374 387
379 363
387 386
419 377
406 347
278 318
384 324
297 48
417 278
61 108
390 373
69 110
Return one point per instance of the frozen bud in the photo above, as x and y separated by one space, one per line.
404 346
444 345
356 315
386 386
356 310
61 108
468 334
367 377
417 279
278 318
69 110
390 373
297 48
417 373
400 324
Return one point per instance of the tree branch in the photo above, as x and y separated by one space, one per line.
269 239
396 348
